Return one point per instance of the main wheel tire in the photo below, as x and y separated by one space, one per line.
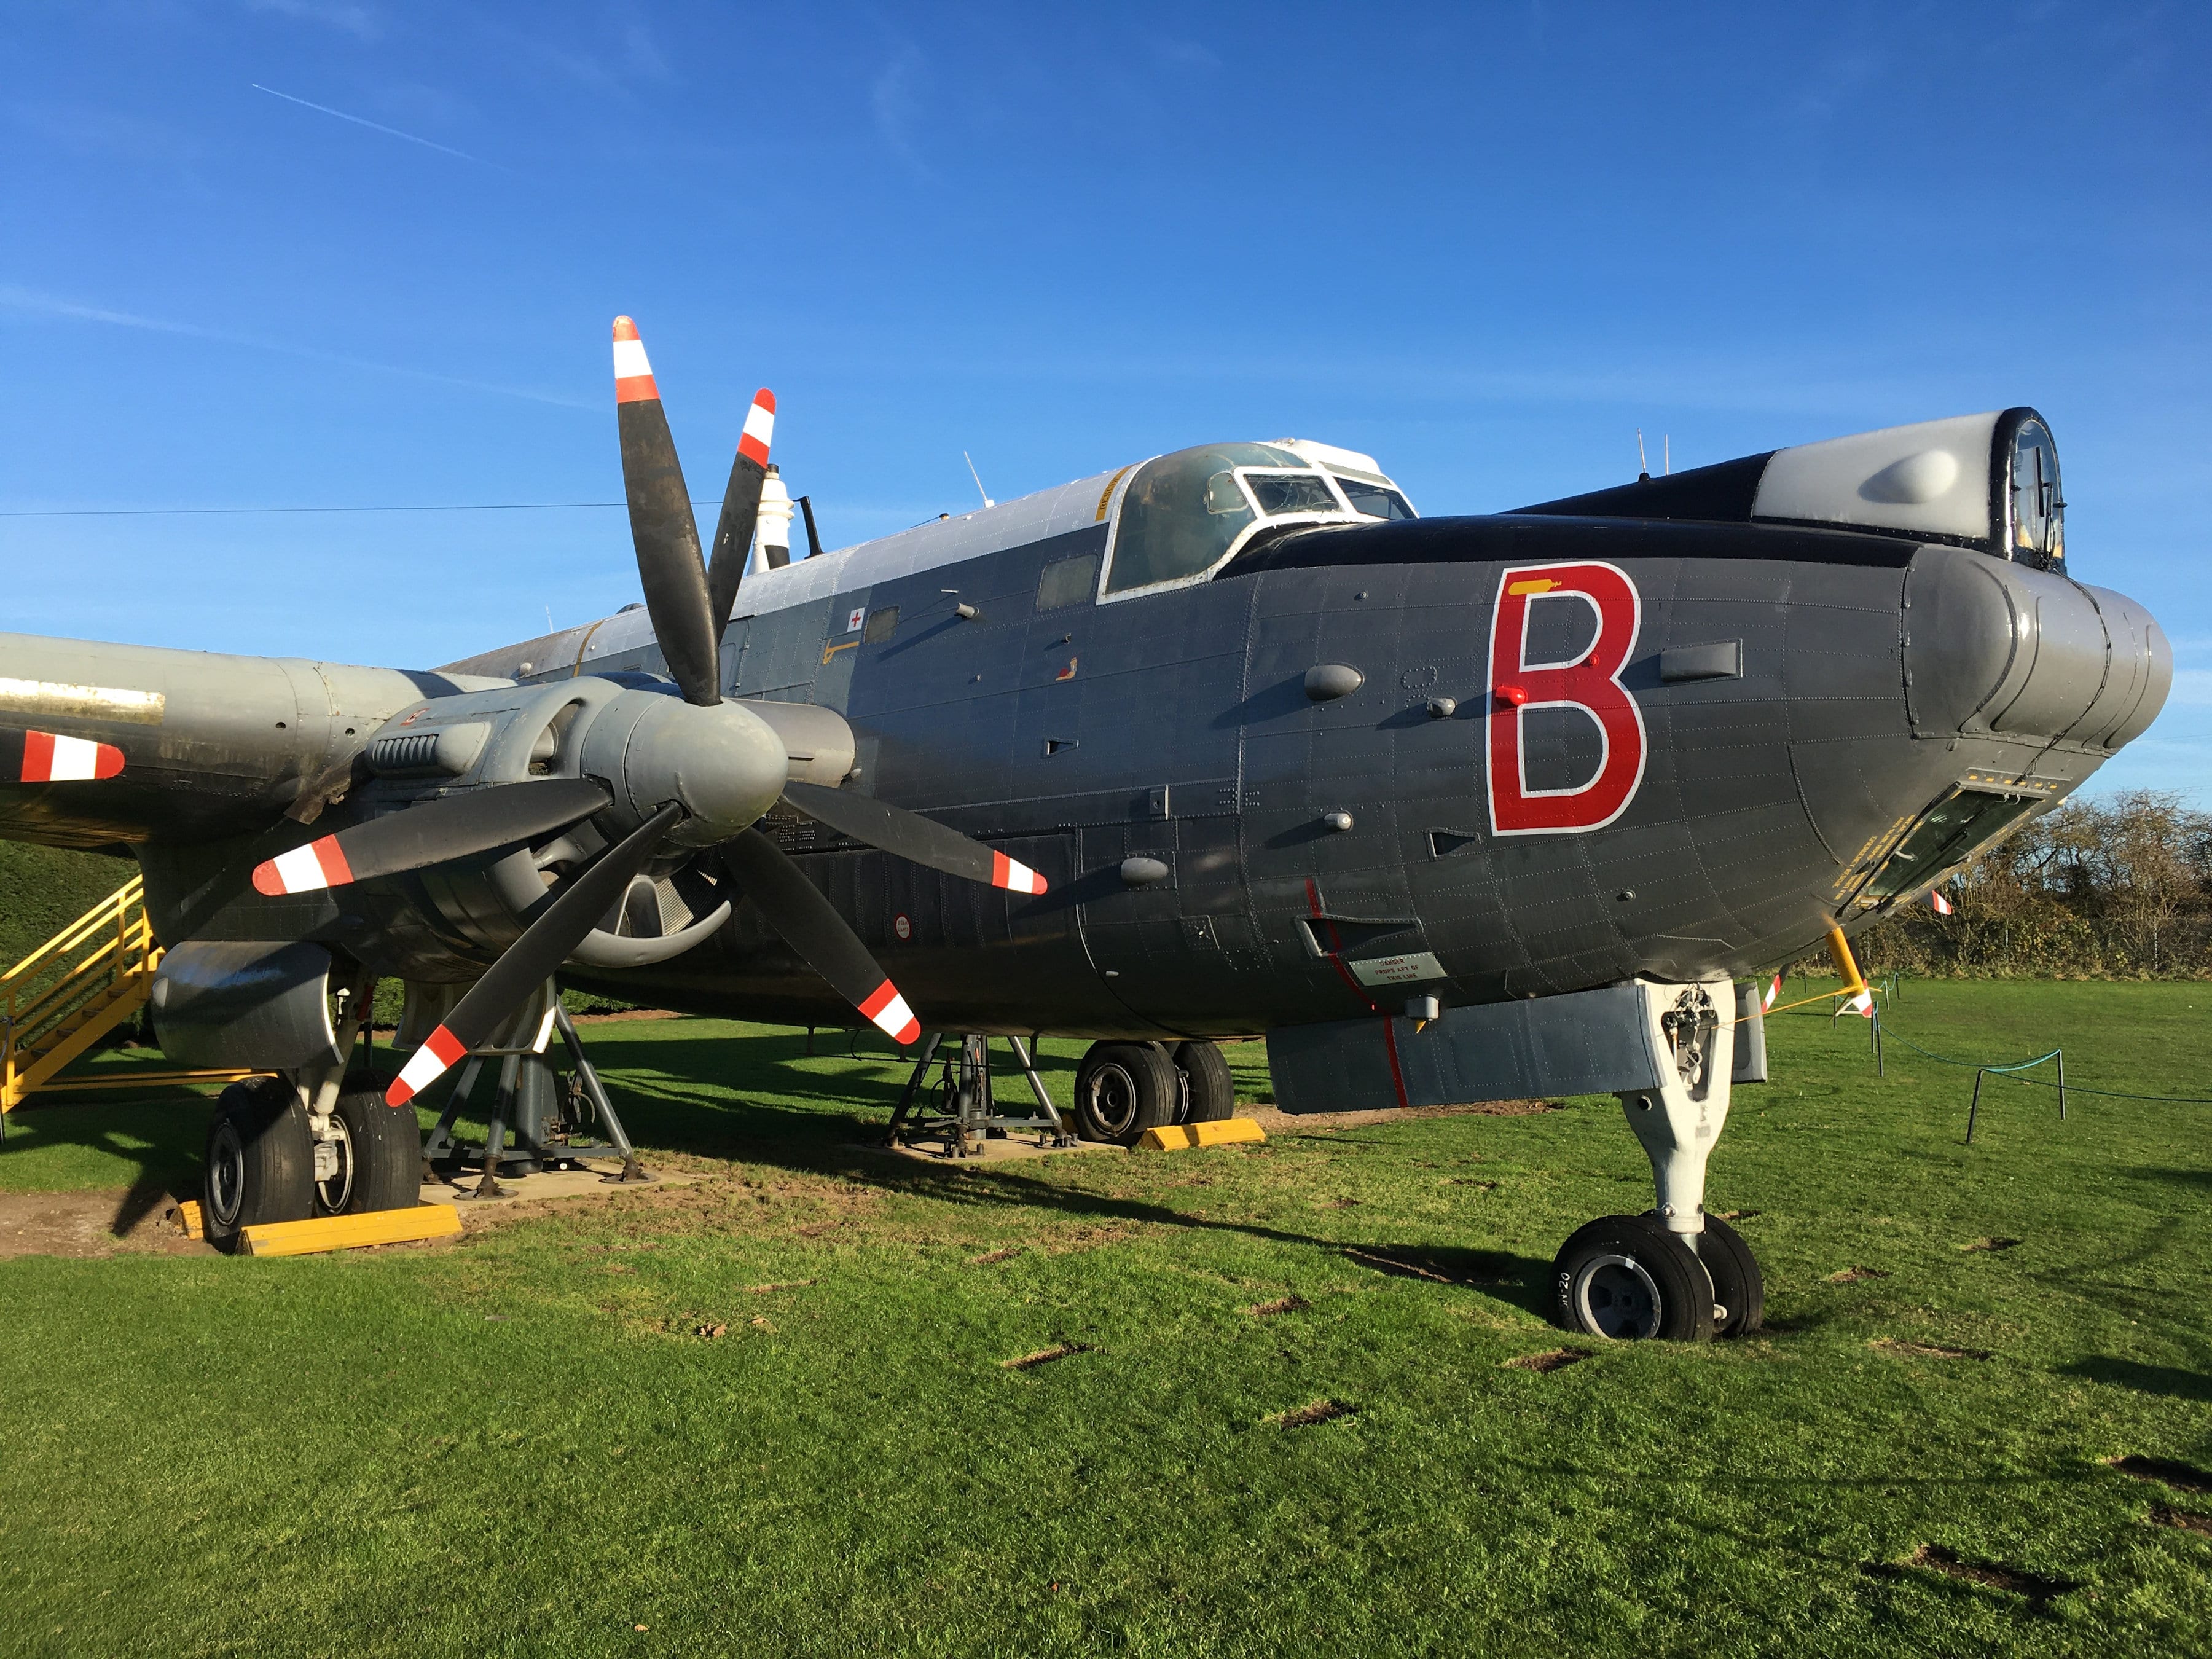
1123 1088
381 1154
1626 1278
1209 1088
1738 1286
260 1161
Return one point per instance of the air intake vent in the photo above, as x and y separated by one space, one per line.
449 750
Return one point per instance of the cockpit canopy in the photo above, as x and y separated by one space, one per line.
1183 514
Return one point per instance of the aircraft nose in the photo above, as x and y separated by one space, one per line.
1997 649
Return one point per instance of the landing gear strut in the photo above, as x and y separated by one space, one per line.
1676 1274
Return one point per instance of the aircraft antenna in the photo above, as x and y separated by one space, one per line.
1667 454
1643 466
972 473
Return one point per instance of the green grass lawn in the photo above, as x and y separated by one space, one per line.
521 1444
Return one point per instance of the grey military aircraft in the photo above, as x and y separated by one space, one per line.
1225 742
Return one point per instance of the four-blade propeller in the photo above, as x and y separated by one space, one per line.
689 603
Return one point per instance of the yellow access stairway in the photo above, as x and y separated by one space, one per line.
59 1002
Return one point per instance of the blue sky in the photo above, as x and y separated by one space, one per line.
1486 244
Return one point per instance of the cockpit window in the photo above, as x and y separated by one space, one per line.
2039 511
1182 514
1372 500
1277 493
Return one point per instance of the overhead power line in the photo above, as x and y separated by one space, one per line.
194 512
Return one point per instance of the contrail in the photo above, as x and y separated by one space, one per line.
375 126
26 299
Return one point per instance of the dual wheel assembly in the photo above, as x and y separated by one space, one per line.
264 1163
1631 1277
1123 1088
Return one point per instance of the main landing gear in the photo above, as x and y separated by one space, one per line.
1123 1088
288 1147
1675 1274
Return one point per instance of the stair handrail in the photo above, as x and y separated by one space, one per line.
26 1005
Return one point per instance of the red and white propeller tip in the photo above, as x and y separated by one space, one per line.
51 758
760 426
1013 875
1773 990
633 374
1941 905
307 869
888 1009
424 1066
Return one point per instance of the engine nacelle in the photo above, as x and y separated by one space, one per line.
725 765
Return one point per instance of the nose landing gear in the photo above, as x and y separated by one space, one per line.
1675 1274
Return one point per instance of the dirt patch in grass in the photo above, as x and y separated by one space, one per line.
1317 1411
1551 1360
1900 1349
1736 1215
2165 1515
87 1225
1934 1557
990 1256
1852 1275
1282 1304
1276 1122
1467 1180
1990 1244
784 1284
1042 1356
2182 1477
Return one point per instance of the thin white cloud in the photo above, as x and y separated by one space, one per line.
2193 688
363 23
34 303
375 126
891 100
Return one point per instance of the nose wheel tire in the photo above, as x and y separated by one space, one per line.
1209 1088
1123 1088
1627 1278
1738 1286
260 1161
381 1157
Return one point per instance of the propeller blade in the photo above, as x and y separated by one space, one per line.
450 827
810 925
912 836
733 530
49 757
533 959
660 524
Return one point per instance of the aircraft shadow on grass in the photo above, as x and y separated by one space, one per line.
710 1099
161 1135
663 1107
2174 1382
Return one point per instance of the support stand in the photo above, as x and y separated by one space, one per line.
547 1126
966 1113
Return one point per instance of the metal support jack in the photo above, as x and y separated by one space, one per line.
967 1112
587 1080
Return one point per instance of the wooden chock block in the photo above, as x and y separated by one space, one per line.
348 1232
1223 1132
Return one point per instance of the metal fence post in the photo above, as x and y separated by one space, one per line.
1976 1105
